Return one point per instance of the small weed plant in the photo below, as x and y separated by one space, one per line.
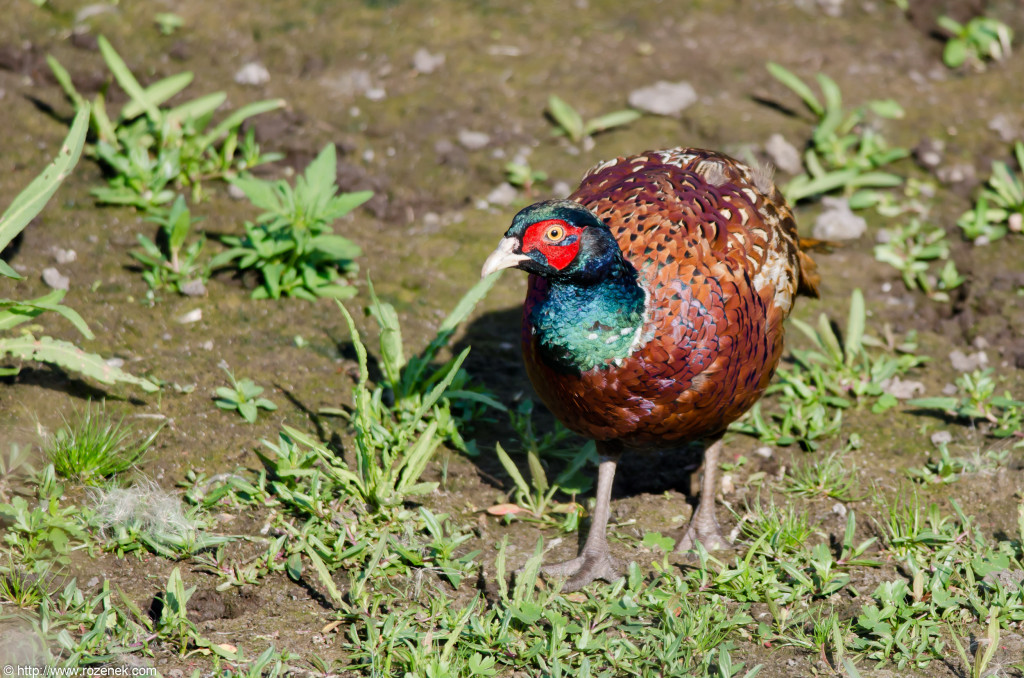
977 402
569 123
394 436
999 208
844 152
979 40
243 397
168 263
536 498
911 249
149 152
947 468
93 447
25 346
830 477
292 245
522 175
44 532
827 379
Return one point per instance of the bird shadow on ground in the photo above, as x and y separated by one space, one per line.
496 361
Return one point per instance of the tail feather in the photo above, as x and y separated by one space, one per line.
810 279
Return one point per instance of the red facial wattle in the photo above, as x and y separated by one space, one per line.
556 239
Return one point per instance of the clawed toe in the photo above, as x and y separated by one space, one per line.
584 569
711 540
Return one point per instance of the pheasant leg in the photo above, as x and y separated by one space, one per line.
595 561
704 525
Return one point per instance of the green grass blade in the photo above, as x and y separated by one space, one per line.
197 108
240 116
438 390
513 471
70 357
64 80
790 80
468 302
855 325
357 343
566 117
49 302
416 461
610 121
31 201
126 80
157 93
323 574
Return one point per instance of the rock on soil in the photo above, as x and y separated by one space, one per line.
503 195
783 154
967 363
55 279
473 141
425 62
663 98
838 222
253 73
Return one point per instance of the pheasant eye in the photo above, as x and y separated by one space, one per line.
555 233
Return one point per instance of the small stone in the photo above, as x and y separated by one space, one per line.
941 438
664 98
348 83
961 173
928 153
425 62
253 73
728 485
235 193
783 154
502 195
1004 127
949 389
900 389
55 279
194 288
764 452
63 256
839 509
1015 222
206 345
376 94
192 316
838 222
95 581
967 363
473 141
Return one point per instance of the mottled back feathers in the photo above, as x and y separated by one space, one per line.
718 258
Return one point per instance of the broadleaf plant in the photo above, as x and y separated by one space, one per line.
292 244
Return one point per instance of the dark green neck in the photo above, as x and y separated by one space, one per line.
581 327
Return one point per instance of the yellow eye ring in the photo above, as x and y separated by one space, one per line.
555 233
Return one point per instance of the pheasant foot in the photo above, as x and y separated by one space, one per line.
596 563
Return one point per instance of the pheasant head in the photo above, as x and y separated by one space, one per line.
559 240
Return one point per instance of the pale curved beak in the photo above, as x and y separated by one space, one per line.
503 257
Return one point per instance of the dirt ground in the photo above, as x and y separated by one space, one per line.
346 70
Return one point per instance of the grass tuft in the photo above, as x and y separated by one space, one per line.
93 447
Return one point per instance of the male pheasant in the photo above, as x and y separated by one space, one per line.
653 314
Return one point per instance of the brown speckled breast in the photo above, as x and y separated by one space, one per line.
717 252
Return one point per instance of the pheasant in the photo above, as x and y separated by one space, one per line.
653 314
